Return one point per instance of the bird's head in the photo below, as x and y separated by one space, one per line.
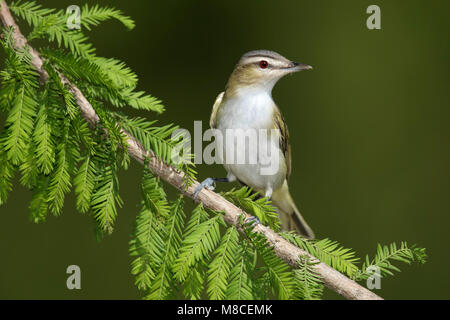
261 69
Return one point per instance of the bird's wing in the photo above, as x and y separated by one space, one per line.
284 139
217 103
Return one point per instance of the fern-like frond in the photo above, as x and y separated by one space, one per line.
163 284
39 204
155 198
70 106
197 246
194 283
260 207
94 15
106 198
125 97
240 283
19 124
388 253
279 273
54 28
7 90
280 276
60 178
6 175
308 284
28 168
151 137
327 251
43 136
105 79
77 68
117 72
220 266
141 101
147 242
30 11
147 246
84 182
263 289
82 133
20 82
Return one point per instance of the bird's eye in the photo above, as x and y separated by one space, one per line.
263 64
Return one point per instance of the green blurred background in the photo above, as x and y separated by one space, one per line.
369 129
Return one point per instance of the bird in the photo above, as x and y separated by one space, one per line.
247 104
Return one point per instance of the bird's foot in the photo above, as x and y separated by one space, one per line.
254 219
208 183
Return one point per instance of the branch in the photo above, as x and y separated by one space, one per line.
333 279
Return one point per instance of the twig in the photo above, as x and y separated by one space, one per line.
333 279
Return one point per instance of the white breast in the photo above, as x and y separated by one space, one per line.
249 109
252 109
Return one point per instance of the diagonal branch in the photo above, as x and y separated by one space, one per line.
333 279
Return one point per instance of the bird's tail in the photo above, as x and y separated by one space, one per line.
291 218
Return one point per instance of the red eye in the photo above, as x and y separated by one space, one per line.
263 64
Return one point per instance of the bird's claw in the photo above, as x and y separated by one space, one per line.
254 219
208 183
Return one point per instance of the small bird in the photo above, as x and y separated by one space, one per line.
247 103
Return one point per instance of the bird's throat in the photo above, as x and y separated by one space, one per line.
248 107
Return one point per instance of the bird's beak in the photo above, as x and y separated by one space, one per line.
299 66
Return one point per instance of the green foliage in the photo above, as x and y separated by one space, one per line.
175 254
45 136
147 244
240 281
117 71
52 24
19 84
151 137
388 253
53 28
197 246
93 16
260 207
6 175
163 284
108 80
60 178
39 203
195 281
221 265
277 275
106 198
33 13
327 251
307 280
84 182
163 141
